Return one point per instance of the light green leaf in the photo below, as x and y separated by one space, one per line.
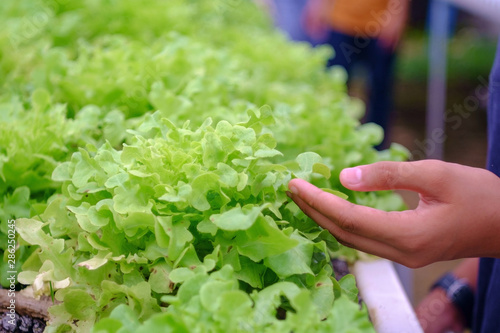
322 170
335 192
307 161
237 218
201 185
135 222
62 172
80 304
159 279
297 260
349 287
262 240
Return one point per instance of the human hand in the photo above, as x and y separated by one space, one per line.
458 214
437 314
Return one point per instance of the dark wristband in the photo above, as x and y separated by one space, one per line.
459 293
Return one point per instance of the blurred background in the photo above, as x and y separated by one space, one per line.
471 51
471 45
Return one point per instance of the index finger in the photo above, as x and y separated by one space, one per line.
360 220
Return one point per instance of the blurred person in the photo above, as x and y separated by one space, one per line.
362 32
458 216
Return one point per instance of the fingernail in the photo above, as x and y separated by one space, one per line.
351 176
294 190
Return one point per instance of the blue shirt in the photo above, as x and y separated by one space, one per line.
487 304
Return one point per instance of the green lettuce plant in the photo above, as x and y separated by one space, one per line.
170 221
148 147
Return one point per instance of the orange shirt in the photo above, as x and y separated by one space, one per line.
359 17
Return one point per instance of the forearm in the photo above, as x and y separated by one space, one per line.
438 313
468 271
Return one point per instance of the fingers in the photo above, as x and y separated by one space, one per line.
374 246
451 197
420 176
345 237
354 219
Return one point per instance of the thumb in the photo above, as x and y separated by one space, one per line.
420 176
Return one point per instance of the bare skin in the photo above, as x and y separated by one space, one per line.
458 215
436 313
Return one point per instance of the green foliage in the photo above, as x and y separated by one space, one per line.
215 304
146 149
161 214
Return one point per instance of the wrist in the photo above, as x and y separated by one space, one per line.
459 293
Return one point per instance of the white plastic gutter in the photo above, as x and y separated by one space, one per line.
388 305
